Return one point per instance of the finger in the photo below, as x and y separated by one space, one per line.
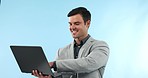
40 74
36 73
32 72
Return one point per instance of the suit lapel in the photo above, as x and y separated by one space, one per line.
71 52
85 46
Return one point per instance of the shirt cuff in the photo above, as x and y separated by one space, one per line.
54 66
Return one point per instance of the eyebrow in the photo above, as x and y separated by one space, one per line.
74 22
77 22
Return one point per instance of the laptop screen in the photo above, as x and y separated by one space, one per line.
31 58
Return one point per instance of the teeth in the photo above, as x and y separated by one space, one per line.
74 31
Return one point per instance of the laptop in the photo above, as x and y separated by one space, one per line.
31 58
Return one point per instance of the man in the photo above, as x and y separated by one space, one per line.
85 57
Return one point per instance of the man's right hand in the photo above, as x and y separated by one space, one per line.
39 74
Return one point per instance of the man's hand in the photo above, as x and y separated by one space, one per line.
51 64
39 74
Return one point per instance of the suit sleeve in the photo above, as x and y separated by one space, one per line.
96 59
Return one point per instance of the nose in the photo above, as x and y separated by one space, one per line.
72 27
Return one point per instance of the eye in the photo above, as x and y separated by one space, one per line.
70 24
77 23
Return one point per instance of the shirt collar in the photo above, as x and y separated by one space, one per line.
83 41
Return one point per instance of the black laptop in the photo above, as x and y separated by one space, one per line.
31 58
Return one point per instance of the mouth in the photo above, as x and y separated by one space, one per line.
74 31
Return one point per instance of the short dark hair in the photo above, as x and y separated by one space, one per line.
82 11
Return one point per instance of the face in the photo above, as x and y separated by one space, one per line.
78 28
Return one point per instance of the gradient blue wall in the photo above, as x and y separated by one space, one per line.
123 24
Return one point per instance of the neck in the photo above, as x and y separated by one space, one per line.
78 40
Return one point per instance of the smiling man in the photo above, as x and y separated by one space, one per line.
85 57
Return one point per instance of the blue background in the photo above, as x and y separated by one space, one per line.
123 24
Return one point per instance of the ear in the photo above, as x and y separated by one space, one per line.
88 23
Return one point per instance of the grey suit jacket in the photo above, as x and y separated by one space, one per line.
91 61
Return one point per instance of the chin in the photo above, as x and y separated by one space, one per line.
74 36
